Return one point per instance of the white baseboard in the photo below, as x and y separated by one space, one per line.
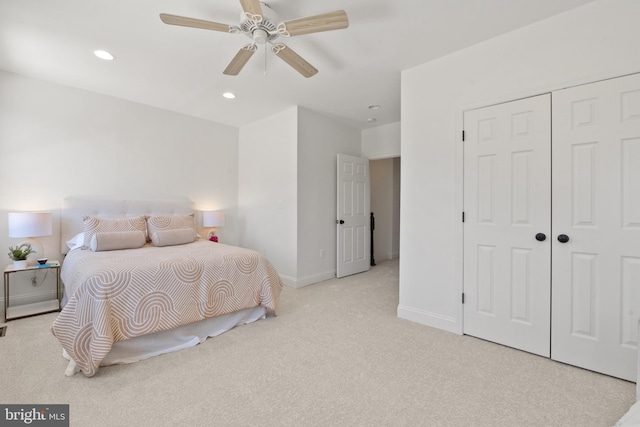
307 280
288 280
434 320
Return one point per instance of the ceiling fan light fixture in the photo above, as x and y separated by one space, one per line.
229 95
103 54
260 36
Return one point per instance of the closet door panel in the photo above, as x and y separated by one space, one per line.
507 202
596 204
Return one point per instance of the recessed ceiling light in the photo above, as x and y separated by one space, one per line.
374 107
103 54
371 120
229 95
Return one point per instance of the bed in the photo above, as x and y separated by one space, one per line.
138 282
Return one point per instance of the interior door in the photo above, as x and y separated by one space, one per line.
353 215
507 207
596 205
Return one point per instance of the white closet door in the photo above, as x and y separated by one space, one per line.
507 200
596 204
354 208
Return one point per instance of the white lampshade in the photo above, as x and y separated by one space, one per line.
213 219
30 224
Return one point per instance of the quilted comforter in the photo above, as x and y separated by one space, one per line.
117 295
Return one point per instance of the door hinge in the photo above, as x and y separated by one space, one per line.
463 297
462 136
462 216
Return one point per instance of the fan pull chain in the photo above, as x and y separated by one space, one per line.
265 59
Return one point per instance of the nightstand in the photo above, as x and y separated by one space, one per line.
26 310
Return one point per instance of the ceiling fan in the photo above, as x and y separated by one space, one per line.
262 25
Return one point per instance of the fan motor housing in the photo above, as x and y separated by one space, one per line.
260 31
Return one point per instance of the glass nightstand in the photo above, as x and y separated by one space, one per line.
26 310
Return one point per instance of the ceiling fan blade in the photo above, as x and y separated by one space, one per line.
295 60
314 24
238 62
194 23
252 8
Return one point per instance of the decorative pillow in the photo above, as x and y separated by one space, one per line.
109 241
76 241
170 222
93 225
177 236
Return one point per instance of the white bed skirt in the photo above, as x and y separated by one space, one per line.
146 346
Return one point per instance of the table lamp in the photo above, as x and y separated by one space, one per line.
212 219
31 225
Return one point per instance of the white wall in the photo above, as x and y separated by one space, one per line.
382 142
57 141
320 139
287 199
593 42
267 198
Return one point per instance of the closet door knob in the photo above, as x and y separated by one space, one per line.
563 238
541 237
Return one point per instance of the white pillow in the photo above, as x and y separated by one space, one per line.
111 241
76 241
178 236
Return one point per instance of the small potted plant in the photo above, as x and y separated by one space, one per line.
19 255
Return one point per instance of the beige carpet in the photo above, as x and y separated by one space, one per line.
336 355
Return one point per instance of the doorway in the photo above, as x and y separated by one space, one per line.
385 205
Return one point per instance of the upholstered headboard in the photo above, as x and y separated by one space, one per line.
73 209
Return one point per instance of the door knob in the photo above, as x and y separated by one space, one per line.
340 221
563 238
541 237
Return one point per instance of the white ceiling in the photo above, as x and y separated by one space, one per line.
180 69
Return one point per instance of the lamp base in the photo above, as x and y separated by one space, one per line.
38 248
